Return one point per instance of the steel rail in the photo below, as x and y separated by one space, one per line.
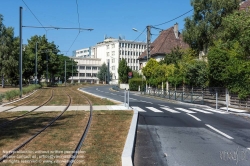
79 145
34 136
12 120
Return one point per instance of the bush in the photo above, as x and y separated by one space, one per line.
1 97
10 95
134 84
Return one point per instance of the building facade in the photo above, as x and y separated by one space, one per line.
111 51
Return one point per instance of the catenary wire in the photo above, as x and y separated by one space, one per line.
174 18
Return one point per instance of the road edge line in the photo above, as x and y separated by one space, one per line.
127 153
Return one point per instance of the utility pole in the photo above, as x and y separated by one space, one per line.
36 66
72 71
108 74
20 56
148 41
47 67
65 74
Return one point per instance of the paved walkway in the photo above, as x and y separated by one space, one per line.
60 108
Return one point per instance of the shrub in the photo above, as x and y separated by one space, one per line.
134 83
1 97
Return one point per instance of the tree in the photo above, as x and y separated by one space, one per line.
202 27
149 69
173 57
8 50
102 74
123 70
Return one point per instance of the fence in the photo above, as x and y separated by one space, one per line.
206 96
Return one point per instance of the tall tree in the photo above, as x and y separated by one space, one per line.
102 74
201 28
123 70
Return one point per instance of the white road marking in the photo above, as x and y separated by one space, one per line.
195 109
248 148
218 131
185 110
132 99
139 109
170 110
112 94
162 105
146 102
233 109
153 109
194 117
220 112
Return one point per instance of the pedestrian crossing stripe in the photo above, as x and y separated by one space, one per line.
139 109
220 112
170 110
185 110
153 109
206 112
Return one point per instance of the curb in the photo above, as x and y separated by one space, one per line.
127 153
99 96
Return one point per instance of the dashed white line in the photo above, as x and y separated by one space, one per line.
162 105
194 117
132 99
218 131
220 112
112 94
146 102
139 109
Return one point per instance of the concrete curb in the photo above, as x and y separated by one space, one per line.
100 96
129 145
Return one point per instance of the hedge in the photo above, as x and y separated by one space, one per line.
134 84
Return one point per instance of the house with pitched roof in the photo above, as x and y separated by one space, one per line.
163 44
244 5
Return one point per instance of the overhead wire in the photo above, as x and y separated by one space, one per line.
34 15
175 18
139 35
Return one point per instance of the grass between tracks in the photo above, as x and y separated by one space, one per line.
103 144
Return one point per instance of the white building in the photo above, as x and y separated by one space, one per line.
83 53
113 50
87 70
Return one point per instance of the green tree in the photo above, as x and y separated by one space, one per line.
173 57
102 74
202 27
123 70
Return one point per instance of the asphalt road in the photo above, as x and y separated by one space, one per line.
180 134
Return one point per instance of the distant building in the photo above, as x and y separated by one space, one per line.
163 44
244 5
112 50
83 53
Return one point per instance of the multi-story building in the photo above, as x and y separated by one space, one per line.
113 50
87 70
83 53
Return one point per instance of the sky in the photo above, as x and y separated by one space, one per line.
110 18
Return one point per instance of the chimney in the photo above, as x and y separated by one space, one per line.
176 31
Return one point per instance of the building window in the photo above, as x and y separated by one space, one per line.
125 52
94 68
88 67
120 52
113 67
107 46
88 74
113 45
136 67
94 74
113 60
134 60
82 74
125 45
113 53
82 67
107 53
122 44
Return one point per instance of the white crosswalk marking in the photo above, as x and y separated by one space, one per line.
185 110
220 112
162 105
153 109
139 109
195 109
170 110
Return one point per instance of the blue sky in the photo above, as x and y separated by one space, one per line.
112 18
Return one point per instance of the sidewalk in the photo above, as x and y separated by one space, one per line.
60 108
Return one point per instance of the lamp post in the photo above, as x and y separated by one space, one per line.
36 66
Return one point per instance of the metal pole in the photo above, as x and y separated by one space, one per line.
47 68
125 97
227 99
36 65
72 71
65 74
108 73
128 98
20 55
216 95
